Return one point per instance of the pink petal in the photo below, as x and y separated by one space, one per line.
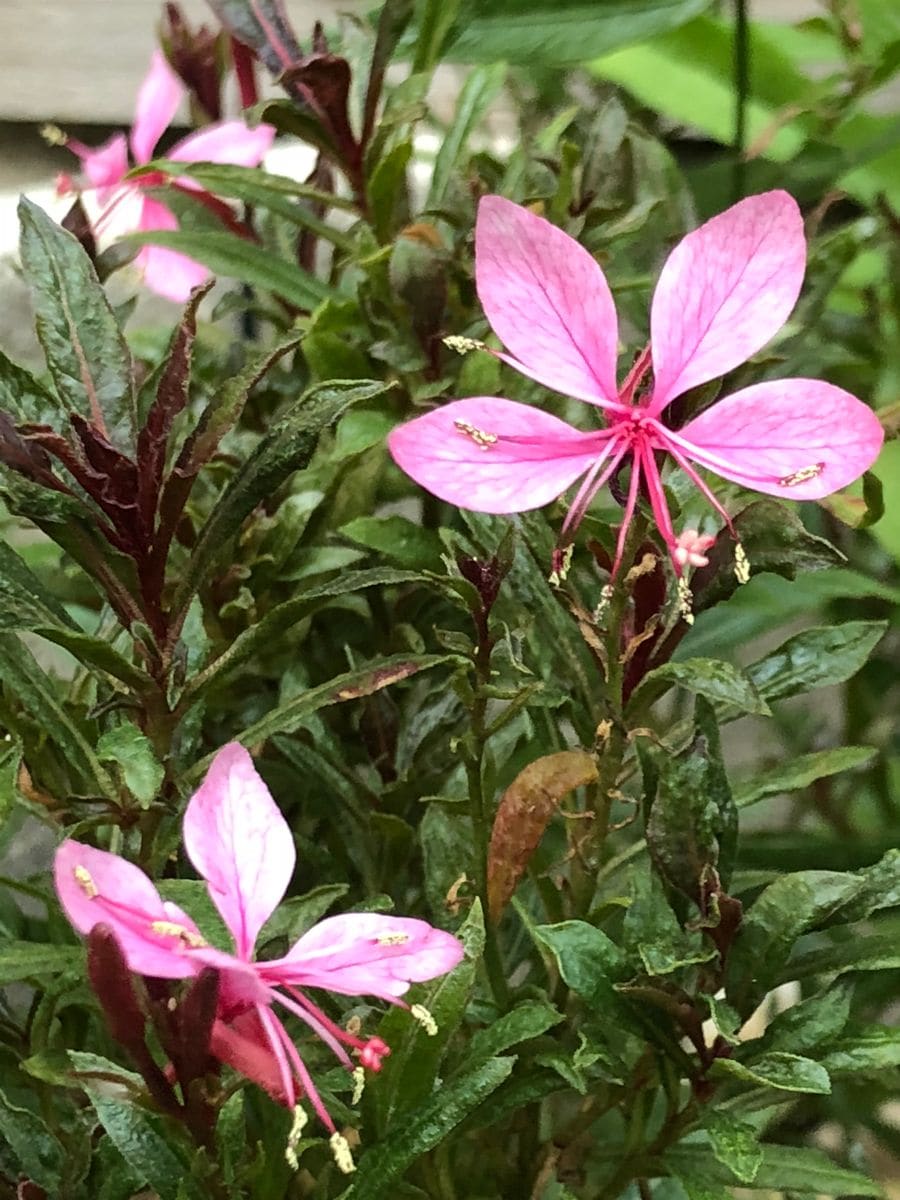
547 300
104 166
157 103
366 954
724 291
226 142
797 438
243 1044
95 887
543 458
166 272
240 843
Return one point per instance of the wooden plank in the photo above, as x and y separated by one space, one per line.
82 60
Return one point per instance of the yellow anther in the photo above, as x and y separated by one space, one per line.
293 1140
340 1148
801 476
741 564
685 600
359 1084
392 939
186 936
482 439
420 1013
85 882
53 135
462 345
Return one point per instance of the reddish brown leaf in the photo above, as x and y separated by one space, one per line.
523 814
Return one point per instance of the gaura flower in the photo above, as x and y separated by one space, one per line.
724 291
242 847
124 207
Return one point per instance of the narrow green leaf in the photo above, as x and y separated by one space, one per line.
25 398
783 1169
527 1020
806 1026
350 686
423 1129
479 91
86 352
295 915
717 681
797 773
875 952
815 658
415 1056
874 1048
787 1072
434 19
227 254
397 538
33 960
40 695
288 446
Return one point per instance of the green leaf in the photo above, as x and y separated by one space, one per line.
287 447
478 93
588 961
86 352
25 398
278 193
734 1144
434 19
874 1048
40 1156
797 773
533 32
131 750
812 1022
140 1140
40 696
787 1072
817 657
32 960
527 1020
789 907
397 538
421 1130
416 1056
717 681
352 685
693 822
783 1169
295 915
875 952
228 254
651 928
193 896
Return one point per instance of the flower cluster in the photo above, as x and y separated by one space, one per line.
239 842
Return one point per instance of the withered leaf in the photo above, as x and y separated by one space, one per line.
523 814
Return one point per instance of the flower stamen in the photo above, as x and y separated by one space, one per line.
802 476
420 1013
340 1148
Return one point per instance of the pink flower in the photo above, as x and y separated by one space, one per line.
125 208
724 291
241 845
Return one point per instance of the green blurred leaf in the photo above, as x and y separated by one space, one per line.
816 658
478 93
797 773
238 258
871 1049
651 928
533 32
86 352
40 1156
